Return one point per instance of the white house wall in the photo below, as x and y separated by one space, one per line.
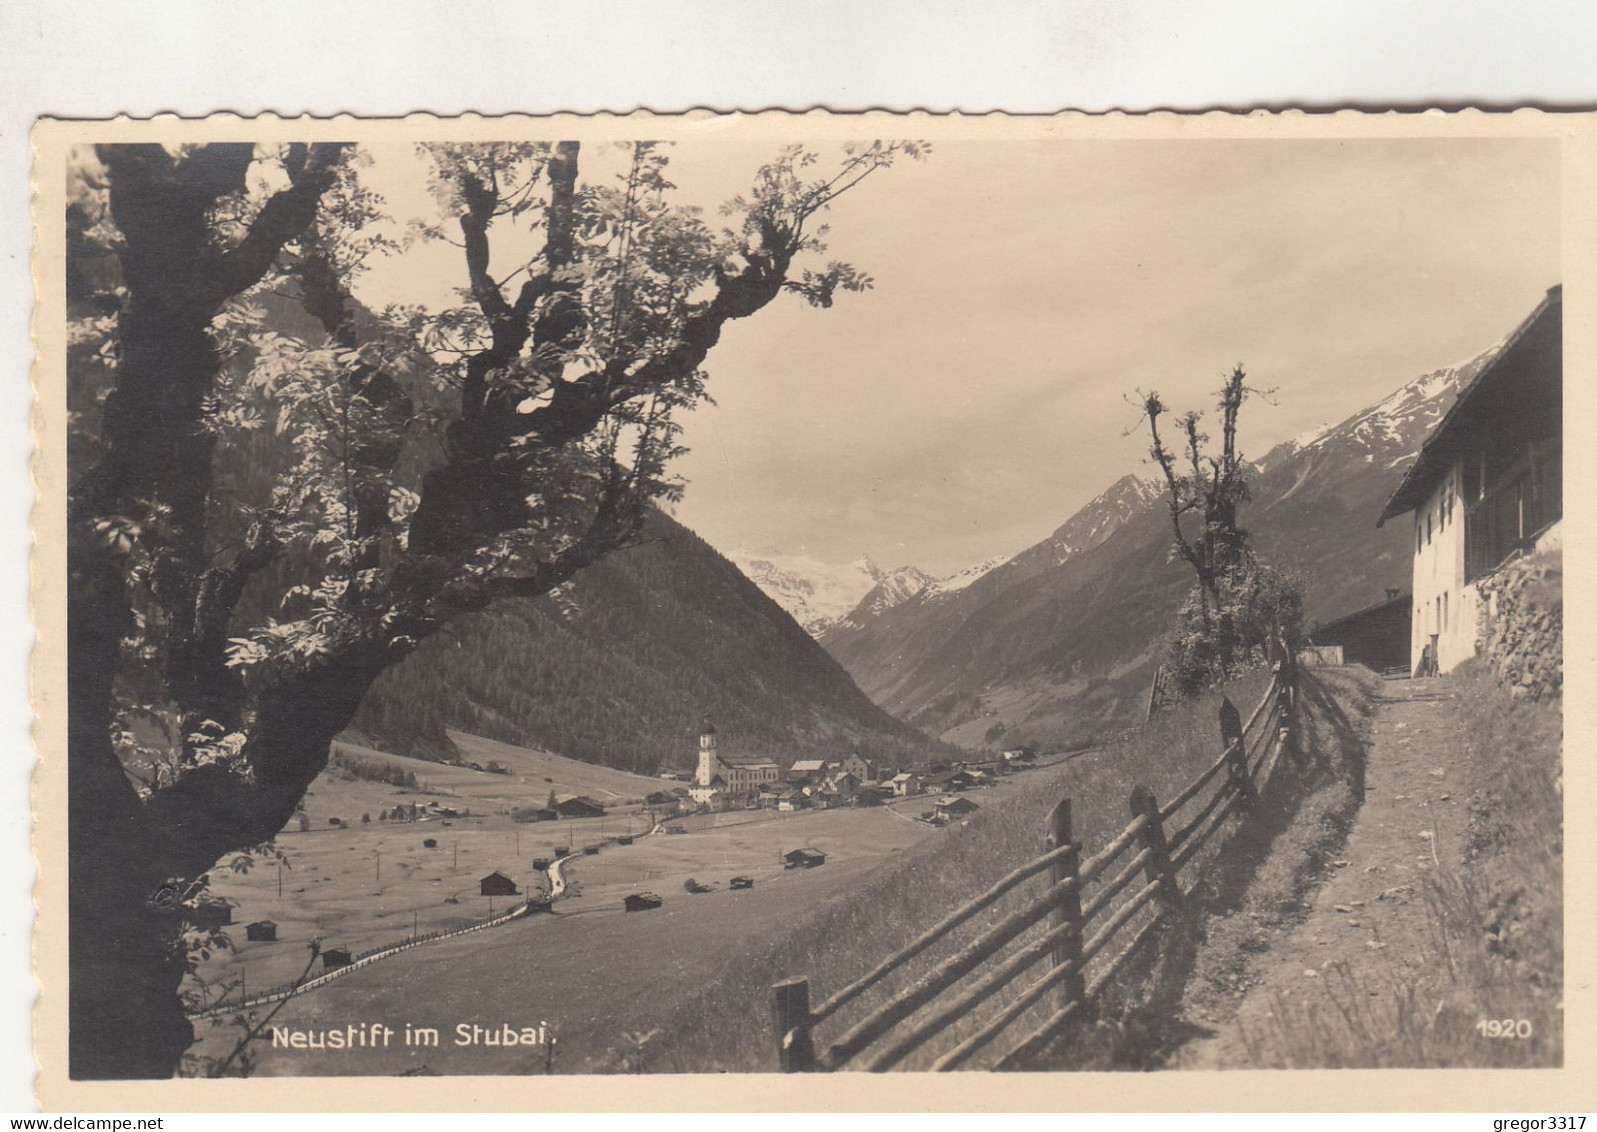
1443 609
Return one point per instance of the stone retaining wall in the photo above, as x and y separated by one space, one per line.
1522 624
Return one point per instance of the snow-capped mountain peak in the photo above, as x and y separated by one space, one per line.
959 580
816 593
1311 437
894 588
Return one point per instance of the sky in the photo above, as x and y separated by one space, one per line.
1025 290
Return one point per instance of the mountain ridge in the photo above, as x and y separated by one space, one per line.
1057 644
623 666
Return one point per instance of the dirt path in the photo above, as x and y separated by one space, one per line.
1368 913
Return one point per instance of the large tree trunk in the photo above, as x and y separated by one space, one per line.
125 1019
125 922
130 860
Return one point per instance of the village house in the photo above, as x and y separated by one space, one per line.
840 787
938 780
961 779
335 957
949 808
722 780
641 902
791 798
855 765
806 770
1487 486
904 785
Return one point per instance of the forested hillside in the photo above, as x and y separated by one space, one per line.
625 665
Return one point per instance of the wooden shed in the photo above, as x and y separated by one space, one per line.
262 930
742 882
806 858
1377 635
497 884
579 806
642 902
335 957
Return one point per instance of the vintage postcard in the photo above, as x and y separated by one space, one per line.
812 612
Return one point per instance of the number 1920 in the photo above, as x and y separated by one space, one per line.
1519 1028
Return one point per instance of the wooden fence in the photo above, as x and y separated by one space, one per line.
1083 919
364 959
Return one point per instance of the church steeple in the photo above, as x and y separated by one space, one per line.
709 763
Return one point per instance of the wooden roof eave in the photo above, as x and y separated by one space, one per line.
1436 455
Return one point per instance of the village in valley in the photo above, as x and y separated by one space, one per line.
616 846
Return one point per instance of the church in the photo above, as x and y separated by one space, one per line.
722 780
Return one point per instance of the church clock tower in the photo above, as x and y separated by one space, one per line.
709 763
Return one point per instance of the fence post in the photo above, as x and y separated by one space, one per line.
1236 751
1285 699
1068 868
790 1010
1289 671
1144 804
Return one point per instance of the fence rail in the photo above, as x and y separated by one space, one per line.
1145 858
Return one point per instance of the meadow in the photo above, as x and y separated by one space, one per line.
359 885
362 883
686 987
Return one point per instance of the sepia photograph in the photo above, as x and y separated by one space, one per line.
802 595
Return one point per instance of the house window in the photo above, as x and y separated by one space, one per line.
1444 611
1427 529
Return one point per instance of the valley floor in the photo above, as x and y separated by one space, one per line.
589 971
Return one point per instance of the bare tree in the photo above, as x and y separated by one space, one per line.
1236 599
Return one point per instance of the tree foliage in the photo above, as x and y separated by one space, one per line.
263 521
